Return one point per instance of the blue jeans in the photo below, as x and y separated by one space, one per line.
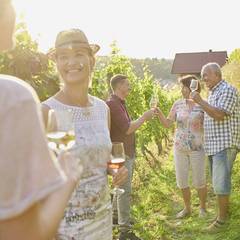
221 165
122 202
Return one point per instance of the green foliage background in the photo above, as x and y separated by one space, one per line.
231 71
27 63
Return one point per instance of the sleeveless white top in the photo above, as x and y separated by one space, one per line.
88 215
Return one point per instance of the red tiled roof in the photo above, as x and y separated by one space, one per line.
191 63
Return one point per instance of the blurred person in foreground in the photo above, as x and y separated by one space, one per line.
188 146
89 211
34 191
222 135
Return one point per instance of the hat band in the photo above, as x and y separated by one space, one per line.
73 42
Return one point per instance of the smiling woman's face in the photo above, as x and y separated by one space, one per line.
7 25
74 65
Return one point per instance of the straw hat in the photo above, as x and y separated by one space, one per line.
73 38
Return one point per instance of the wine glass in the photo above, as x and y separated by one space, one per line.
154 101
194 85
117 161
60 130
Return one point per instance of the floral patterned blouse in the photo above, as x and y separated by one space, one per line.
189 117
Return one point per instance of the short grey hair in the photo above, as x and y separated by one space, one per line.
214 67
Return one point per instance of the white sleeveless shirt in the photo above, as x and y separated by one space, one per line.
88 214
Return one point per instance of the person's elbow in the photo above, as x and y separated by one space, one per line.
129 131
220 116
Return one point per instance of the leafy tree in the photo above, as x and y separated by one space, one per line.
159 68
231 70
27 63
235 56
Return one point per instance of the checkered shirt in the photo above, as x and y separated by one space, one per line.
223 134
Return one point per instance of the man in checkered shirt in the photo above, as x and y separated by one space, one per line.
222 135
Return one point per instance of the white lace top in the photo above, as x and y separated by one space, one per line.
88 214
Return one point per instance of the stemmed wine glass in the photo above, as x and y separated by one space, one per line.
154 101
60 130
61 139
117 161
194 85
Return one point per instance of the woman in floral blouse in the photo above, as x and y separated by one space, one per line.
188 146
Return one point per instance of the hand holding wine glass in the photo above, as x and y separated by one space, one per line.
116 162
60 130
194 85
153 101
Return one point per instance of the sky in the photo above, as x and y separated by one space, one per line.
141 28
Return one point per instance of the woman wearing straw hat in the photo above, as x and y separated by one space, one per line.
31 202
88 215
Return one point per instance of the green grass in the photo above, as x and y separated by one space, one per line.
156 200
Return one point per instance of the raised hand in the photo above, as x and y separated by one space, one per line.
196 97
148 115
